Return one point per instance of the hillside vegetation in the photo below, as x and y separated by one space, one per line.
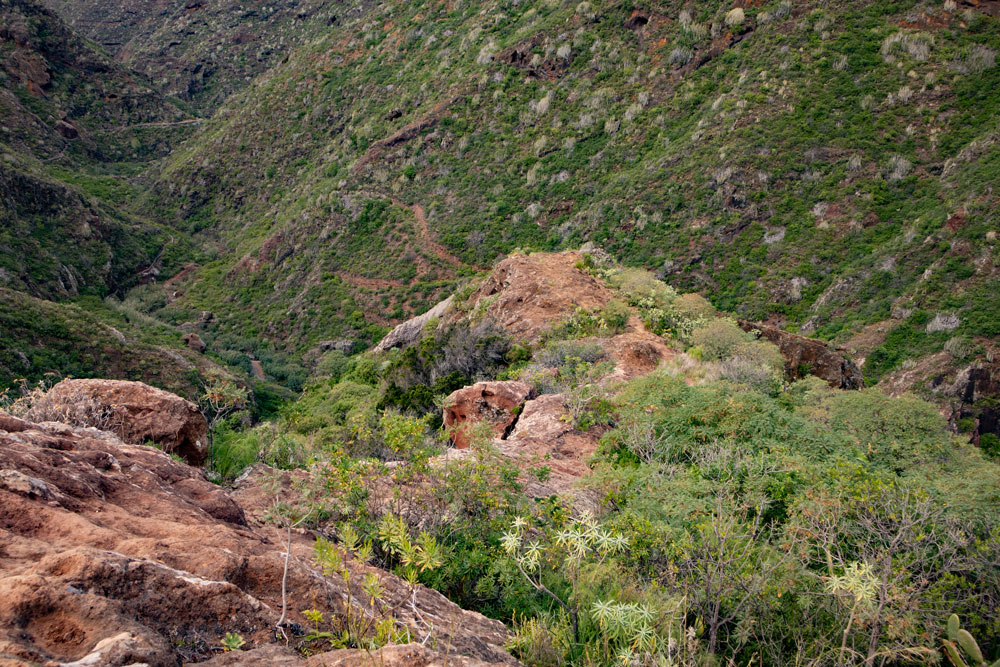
482 297
828 167
725 516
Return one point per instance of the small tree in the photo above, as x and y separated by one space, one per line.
221 399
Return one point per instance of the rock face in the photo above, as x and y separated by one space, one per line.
550 452
801 353
635 352
409 331
116 554
134 411
495 403
544 437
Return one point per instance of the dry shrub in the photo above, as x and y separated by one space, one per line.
79 409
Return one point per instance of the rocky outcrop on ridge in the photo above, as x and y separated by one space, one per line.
115 554
135 412
528 294
410 331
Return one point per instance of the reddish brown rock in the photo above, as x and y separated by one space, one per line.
115 554
135 412
194 342
528 294
495 403
551 453
545 438
636 352
810 356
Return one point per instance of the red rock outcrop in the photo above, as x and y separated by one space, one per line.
528 294
545 437
636 352
115 554
495 403
134 411
549 450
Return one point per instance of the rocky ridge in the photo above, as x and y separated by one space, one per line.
116 554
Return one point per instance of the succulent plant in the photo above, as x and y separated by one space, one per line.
960 644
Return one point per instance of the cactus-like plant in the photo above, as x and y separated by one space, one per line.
960 643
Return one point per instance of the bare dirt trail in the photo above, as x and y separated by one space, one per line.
427 241
165 123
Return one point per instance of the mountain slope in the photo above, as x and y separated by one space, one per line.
824 167
199 51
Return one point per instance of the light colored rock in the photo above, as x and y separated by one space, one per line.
545 439
409 331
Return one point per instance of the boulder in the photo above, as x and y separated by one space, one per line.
116 554
194 342
135 412
495 403
550 452
544 437
636 352
811 356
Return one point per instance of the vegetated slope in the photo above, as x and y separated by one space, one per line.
736 516
42 339
68 112
823 166
200 51
60 96
75 128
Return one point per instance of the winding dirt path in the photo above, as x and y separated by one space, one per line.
427 241
164 123
424 240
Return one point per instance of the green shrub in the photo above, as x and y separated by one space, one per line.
720 339
693 307
990 444
556 353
